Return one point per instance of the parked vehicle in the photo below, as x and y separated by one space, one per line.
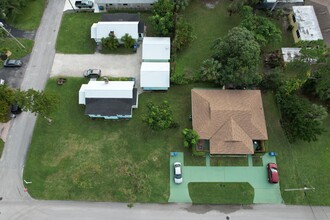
177 173
92 73
272 173
84 4
15 109
12 63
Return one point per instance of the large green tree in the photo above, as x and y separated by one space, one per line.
37 102
162 19
264 30
238 54
11 8
300 119
314 51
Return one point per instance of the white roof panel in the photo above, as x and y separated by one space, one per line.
112 89
290 53
155 74
156 48
308 25
118 27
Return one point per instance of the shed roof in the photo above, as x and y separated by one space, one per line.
155 74
230 119
290 53
156 48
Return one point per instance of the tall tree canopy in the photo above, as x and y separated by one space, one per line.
31 100
238 56
163 17
301 120
263 29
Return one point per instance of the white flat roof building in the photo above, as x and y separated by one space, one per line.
102 89
102 29
155 75
290 53
156 48
308 25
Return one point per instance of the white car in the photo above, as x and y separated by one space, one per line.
177 172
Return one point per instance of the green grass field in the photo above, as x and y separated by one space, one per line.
208 24
221 193
16 50
75 33
30 16
300 164
76 158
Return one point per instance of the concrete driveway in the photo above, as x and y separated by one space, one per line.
111 65
255 176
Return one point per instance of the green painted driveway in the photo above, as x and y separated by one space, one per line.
256 176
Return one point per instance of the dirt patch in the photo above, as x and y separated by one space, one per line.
4 129
210 3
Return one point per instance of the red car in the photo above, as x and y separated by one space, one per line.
272 173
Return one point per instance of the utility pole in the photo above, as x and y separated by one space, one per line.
3 27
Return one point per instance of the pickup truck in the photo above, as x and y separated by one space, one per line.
84 4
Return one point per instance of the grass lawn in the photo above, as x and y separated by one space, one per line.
74 36
208 24
221 193
2 145
257 160
30 16
75 33
16 50
229 161
300 164
76 158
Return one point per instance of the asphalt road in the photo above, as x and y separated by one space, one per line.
17 204
20 133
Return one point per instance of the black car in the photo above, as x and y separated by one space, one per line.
15 109
12 63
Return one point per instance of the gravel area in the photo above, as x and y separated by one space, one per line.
111 65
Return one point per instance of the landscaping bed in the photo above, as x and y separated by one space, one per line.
229 161
2 145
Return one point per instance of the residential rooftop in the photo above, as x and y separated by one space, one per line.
308 25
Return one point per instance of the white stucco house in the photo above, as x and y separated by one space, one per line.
156 49
109 100
118 24
155 75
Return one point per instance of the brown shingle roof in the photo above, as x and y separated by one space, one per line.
230 119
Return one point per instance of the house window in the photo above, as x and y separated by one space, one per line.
125 4
294 18
298 34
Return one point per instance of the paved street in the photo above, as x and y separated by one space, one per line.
20 133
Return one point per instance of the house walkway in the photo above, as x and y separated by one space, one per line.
255 176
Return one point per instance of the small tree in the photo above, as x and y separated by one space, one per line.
190 137
209 70
159 117
128 41
183 35
110 42
181 4
313 51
